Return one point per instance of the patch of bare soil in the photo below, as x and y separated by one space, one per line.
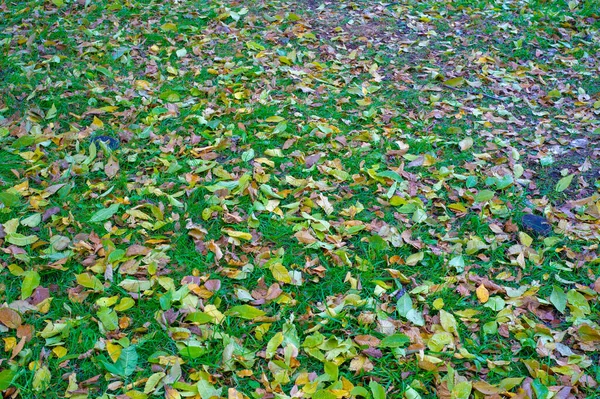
355 24
583 162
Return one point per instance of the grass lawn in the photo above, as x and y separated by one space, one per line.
299 199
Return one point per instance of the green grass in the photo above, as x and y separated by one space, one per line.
73 71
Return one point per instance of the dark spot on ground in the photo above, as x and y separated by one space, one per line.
583 162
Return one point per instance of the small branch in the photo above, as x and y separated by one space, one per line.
475 94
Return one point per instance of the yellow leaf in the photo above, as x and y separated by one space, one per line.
459 207
525 239
107 302
169 26
9 343
138 214
114 351
455 82
275 119
125 304
97 123
60 351
109 108
232 393
414 258
214 312
41 379
482 294
237 234
280 273
89 281
448 322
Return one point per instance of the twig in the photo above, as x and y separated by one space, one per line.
474 94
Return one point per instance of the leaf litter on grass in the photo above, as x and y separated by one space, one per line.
299 199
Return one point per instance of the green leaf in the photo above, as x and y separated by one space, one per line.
109 318
20 240
484 195
394 341
458 262
89 281
540 390
207 390
32 221
116 255
255 46
471 182
245 312
170 95
390 174
128 359
377 390
23 141
578 305
6 378
416 317
105 213
462 390
51 112
332 371
31 281
248 155
559 299
9 199
455 82
273 344
404 305
200 317
280 128
126 364
564 183
504 182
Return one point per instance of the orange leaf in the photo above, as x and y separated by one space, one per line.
482 294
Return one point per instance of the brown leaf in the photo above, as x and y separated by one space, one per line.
312 159
305 237
10 318
112 167
361 363
137 249
367 340
25 331
597 285
18 348
212 285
